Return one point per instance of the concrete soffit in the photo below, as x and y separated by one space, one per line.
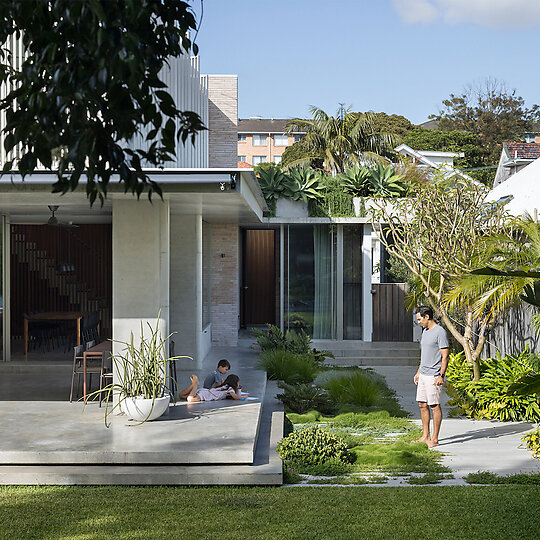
218 195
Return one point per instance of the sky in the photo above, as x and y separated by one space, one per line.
397 56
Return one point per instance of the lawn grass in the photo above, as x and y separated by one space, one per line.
91 513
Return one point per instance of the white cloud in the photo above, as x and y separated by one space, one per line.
492 13
415 11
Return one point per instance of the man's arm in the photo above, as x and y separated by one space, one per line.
444 364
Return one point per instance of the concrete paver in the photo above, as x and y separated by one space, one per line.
468 445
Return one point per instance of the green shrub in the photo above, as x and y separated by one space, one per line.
532 441
489 397
355 388
378 422
313 445
281 365
310 417
305 397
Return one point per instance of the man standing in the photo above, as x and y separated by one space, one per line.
430 375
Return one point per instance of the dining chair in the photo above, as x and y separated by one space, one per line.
106 375
93 367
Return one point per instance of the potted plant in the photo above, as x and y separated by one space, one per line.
302 186
142 383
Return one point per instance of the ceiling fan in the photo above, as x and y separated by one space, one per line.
53 220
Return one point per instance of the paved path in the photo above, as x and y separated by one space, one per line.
468 445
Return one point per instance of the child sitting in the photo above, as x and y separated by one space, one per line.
215 378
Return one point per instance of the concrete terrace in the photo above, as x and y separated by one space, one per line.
57 442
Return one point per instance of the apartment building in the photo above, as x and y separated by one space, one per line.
262 140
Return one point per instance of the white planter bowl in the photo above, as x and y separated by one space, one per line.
141 409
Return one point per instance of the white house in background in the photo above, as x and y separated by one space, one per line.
521 191
515 156
432 160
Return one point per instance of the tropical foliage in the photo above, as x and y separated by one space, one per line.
344 140
490 397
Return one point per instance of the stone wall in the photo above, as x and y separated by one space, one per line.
225 260
222 120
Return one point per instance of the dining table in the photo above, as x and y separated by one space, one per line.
105 347
49 316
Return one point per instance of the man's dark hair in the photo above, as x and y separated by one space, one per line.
224 363
425 310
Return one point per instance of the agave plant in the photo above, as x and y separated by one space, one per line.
385 182
303 184
274 184
356 181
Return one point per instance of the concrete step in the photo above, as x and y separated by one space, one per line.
266 468
374 353
373 361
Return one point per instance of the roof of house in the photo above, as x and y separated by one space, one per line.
244 165
262 125
519 150
429 124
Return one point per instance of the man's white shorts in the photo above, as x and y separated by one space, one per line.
427 390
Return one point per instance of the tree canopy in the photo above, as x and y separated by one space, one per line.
392 123
89 83
441 239
344 140
489 110
451 141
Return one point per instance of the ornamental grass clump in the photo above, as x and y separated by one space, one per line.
313 445
356 388
282 365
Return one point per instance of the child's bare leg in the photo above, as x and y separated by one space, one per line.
192 396
186 391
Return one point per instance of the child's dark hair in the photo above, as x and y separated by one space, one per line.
224 363
232 381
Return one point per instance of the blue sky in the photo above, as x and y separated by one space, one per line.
396 56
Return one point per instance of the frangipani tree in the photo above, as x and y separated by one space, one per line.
441 236
344 140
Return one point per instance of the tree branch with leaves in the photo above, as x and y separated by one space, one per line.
90 82
440 235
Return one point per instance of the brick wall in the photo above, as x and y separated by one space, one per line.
222 120
225 293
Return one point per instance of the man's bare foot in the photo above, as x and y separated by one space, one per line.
422 439
432 443
194 379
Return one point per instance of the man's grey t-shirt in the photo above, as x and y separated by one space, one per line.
430 350
214 377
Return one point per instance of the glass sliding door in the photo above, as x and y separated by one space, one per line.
310 283
1 288
352 281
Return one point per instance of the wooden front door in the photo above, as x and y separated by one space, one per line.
391 319
258 287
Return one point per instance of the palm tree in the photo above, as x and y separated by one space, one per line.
345 140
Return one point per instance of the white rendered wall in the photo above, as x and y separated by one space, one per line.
367 297
186 288
140 267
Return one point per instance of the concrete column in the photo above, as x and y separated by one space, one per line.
367 300
186 287
140 267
